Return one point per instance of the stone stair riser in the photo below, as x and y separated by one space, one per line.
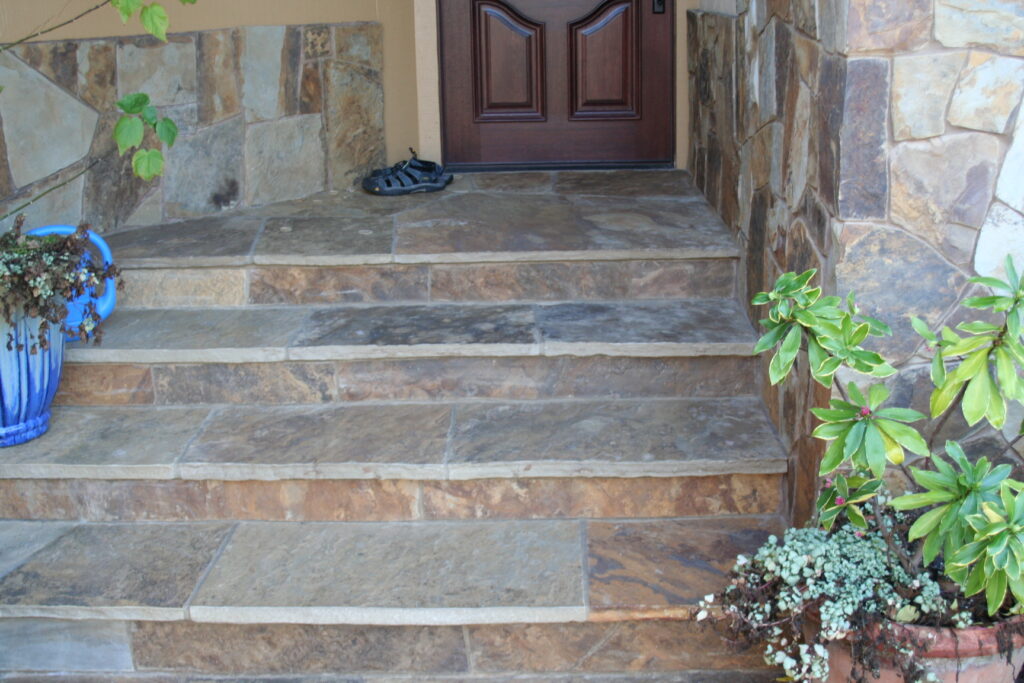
420 283
372 500
437 379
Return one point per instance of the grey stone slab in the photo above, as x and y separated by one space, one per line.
326 241
700 321
284 159
418 325
204 173
608 438
261 72
627 224
54 645
19 540
202 242
165 71
350 202
112 443
352 442
398 573
627 183
113 571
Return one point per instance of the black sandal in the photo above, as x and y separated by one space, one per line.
407 177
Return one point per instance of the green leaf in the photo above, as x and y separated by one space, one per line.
854 393
856 517
967 554
831 430
878 328
134 103
938 370
967 345
996 412
1011 273
854 439
833 415
874 449
921 327
904 435
760 299
188 2
832 459
155 20
128 133
978 327
995 592
149 115
771 338
976 398
126 8
1009 381
782 363
975 582
982 301
877 395
167 131
913 501
991 283
942 398
148 163
932 546
926 522
900 414
933 480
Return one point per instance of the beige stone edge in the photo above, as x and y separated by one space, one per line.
387 616
366 352
78 612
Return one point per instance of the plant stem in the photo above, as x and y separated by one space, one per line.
39 196
51 29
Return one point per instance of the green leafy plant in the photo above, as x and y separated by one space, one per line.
961 530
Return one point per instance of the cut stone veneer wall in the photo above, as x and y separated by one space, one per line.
266 114
876 140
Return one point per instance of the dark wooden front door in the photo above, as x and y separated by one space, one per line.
557 82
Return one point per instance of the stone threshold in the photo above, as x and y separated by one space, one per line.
388 574
629 438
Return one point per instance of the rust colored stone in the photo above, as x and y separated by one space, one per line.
291 61
219 78
97 74
105 385
601 497
244 383
311 90
316 42
897 25
341 284
58 61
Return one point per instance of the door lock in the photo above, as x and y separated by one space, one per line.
659 6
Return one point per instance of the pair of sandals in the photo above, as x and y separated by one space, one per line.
407 177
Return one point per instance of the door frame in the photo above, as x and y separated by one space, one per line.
680 104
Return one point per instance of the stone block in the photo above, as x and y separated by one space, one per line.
316 42
943 180
988 93
832 24
355 122
831 97
7 187
114 385
220 89
204 171
284 160
63 207
157 287
896 276
798 157
280 285
58 61
311 89
360 43
1010 188
19 540
805 16
897 25
51 645
864 183
766 69
291 71
921 88
1002 234
262 48
111 191
97 73
165 71
996 25
45 128
263 383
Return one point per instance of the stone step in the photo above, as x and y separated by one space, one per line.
500 237
385 574
643 458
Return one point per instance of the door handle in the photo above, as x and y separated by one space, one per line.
659 6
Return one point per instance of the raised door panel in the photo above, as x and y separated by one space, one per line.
508 64
604 69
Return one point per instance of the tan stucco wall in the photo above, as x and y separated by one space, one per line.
411 89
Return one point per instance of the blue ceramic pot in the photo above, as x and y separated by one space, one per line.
28 381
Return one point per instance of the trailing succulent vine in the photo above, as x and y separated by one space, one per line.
948 554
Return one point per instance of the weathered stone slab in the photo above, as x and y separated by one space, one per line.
652 565
48 645
898 25
316 42
360 43
205 171
1002 234
111 191
326 241
113 385
328 285
262 48
573 438
587 280
294 441
243 383
115 441
219 90
532 378
61 207
948 179
993 24
19 541
527 181
155 288
58 61
311 89
284 159
126 571
430 572
201 242
45 128
988 93
97 74
678 184
597 497
797 158
1010 188
164 71
864 183
896 276
921 88
354 97
831 105
296 649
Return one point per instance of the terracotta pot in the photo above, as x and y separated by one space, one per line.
967 655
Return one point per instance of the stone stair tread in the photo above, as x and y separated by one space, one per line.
630 214
268 334
420 573
421 441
